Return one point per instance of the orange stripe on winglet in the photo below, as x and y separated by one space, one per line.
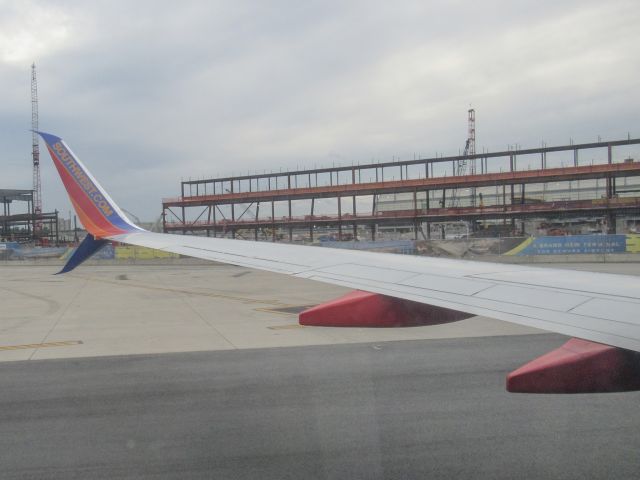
88 224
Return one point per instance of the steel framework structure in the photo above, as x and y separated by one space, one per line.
21 227
249 193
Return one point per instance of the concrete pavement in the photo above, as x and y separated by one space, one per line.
133 309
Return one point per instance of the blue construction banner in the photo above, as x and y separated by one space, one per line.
573 244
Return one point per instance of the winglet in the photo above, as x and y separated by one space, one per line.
98 213
88 247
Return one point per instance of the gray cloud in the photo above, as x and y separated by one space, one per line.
148 92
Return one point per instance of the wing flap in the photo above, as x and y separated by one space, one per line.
592 283
533 297
615 310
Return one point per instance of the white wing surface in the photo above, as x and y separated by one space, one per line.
593 306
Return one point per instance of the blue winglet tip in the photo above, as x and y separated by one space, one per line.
85 250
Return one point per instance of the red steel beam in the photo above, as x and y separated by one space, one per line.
434 214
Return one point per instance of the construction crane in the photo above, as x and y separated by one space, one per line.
463 164
35 152
471 150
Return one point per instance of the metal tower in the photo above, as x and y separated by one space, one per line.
37 189
469 149
471 141
472 132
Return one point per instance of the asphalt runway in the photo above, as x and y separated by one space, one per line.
201 372
411 409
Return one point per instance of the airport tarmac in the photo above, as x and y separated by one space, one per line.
418 409
129 309
184 375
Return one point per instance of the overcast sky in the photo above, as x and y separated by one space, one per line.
149 92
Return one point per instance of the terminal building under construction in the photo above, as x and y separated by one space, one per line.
576 188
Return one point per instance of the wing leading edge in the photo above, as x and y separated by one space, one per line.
593 306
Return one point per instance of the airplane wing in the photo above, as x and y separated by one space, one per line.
595 307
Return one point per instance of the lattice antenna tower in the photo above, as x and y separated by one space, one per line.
469 149
472 136
35 152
